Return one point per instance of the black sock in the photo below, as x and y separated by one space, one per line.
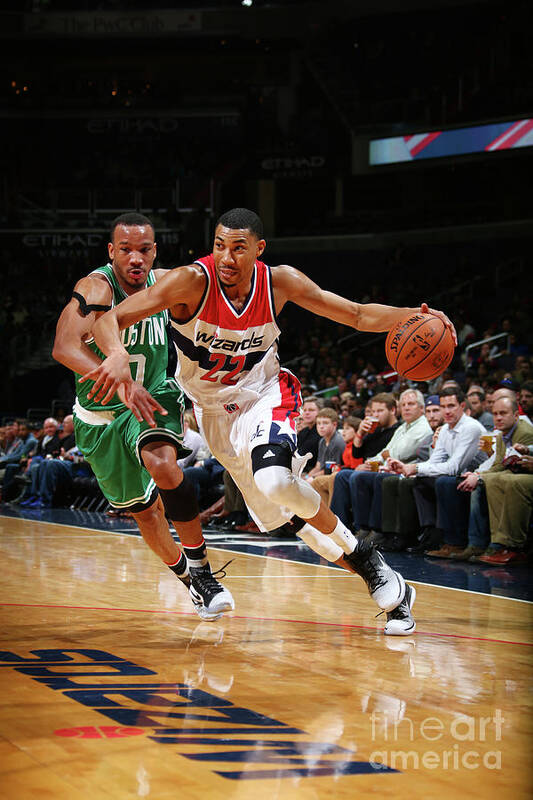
196 556
181 569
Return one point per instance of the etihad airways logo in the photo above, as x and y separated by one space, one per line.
233 345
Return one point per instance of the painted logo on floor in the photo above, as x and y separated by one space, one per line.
181 715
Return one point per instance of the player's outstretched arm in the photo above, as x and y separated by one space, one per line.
90 297
291 284
176 289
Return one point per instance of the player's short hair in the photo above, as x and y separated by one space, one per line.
238 218
130 218
385 397
453 391
330 413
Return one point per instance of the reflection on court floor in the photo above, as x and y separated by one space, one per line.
113 687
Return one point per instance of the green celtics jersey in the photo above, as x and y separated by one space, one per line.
146 343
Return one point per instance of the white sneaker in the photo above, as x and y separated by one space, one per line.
298 462
400 621
209 597
386 587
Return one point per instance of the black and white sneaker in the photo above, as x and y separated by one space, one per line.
400 621
386 587
209 597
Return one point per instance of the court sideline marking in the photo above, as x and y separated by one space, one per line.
261 619
275 558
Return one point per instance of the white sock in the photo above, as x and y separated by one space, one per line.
321 543
343 537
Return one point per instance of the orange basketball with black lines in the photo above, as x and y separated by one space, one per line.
420 347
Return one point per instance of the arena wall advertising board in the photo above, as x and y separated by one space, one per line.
491 138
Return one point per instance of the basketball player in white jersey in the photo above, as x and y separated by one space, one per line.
223 310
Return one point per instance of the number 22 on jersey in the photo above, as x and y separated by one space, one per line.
219 360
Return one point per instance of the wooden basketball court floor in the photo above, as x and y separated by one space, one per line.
112 687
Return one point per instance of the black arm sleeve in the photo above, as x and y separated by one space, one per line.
85 308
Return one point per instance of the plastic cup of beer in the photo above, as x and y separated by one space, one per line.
374 465
486 443
374 424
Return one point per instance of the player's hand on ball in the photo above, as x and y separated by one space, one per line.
424 308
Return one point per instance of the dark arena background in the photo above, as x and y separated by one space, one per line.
387 146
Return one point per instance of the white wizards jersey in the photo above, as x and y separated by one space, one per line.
228 358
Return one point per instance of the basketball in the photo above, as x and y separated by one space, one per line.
420 347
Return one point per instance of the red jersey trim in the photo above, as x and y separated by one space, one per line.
219 311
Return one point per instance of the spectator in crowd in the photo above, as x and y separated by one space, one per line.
463 509
522 370
10 441
55 473
330 389
510 502
434 413
331 444
377 428
48 443
347 404
324 483
410 441
206 476
476 398
465 331
23 442
308 436
398 507
526 400
456 451
504 391
193 440
361 393
372 437
229 511
483 358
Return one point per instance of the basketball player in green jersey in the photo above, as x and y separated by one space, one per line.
133 450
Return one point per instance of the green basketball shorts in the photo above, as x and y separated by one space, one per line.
111 443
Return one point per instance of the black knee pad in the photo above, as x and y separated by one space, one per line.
181 503
297 523
271 455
